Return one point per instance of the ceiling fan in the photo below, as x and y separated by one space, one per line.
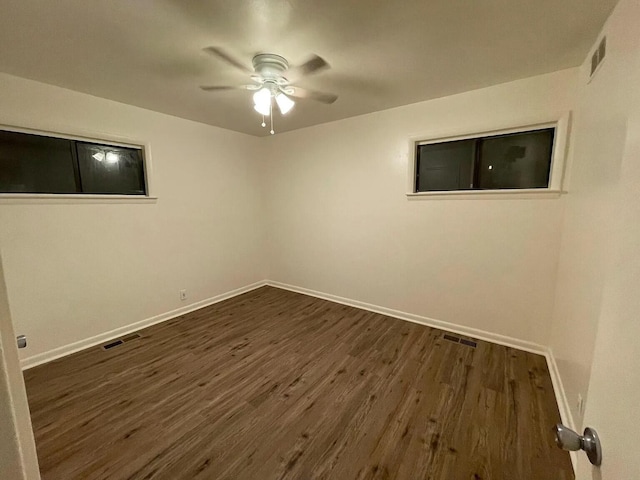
270 83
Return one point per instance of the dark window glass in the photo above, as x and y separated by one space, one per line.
520 160
445 166
40 164
512 161
110 170
36 164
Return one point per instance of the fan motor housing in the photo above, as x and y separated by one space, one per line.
270 65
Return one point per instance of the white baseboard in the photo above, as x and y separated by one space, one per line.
561 399
65 350
430 322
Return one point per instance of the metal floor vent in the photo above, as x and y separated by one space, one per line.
463 341
131 336
120 341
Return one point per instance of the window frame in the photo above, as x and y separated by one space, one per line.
89 137
556 170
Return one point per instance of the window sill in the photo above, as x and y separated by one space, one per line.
532 193
41 198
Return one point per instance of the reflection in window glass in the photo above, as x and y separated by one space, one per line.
520 160
445 166
510 161
110 170
35 164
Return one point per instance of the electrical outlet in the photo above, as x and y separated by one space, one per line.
183 294
580 404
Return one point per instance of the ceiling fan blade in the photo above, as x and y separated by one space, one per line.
225 57
217 88
314 65
321 97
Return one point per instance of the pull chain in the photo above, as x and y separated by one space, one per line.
263 123
271 115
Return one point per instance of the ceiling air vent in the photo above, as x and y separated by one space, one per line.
598 56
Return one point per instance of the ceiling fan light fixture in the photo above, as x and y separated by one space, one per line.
262 101
262 111
271 87
285 104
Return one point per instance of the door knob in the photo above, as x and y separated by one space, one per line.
22 341
589 441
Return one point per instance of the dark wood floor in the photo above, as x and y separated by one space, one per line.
278 385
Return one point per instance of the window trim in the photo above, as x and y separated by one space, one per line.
556 171
90 137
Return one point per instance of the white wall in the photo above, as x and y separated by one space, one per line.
76 270
599 132
18 459
340 223
614 384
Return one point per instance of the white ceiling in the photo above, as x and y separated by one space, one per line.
383 53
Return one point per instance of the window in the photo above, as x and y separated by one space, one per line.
41 164
107 170
520 160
